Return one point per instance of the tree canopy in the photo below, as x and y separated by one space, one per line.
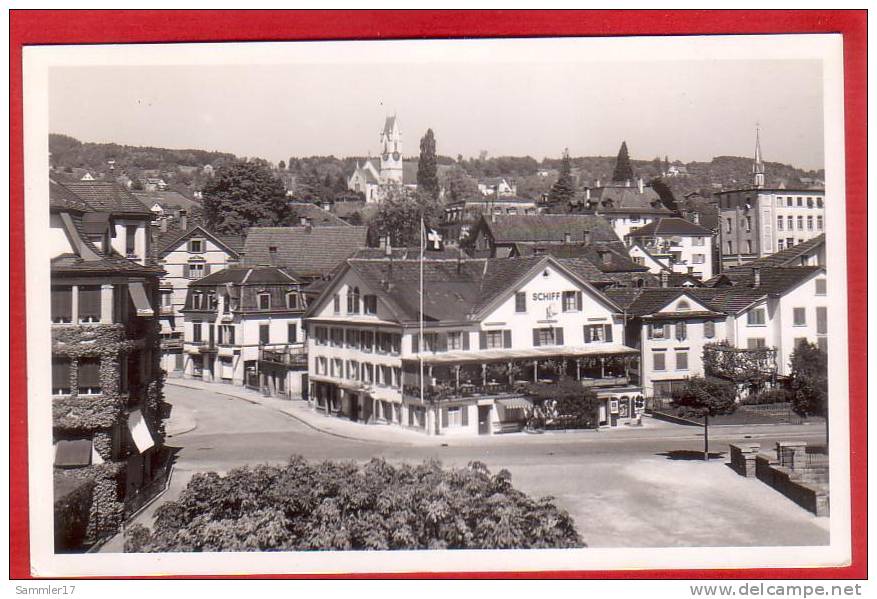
809 380
244 195
345 506
427 178
563 191
399 215
565 404
461 186
701 396
623 170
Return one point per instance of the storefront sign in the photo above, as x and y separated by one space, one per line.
546 296
613 406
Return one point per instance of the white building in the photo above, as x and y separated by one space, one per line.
626 206
187 256
371 179
677 244
490 328
243 327
757 221
498 187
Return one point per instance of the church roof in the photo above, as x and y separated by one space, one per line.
389 125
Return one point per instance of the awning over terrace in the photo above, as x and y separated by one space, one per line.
533 353
515 402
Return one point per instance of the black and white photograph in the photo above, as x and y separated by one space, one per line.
373 305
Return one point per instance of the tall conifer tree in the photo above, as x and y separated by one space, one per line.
623 170
427 176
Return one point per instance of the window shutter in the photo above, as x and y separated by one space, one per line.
536 338
607 332
185 271
482 339
415 343
587 333
189 246
444 418
465 415
263 333
709 329
558 335
666 331
231 335
579 301
465 335
507 338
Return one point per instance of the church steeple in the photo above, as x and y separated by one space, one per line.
758 165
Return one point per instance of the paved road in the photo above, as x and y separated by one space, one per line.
622 491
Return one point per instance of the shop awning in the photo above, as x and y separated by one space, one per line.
72 454
534 353
515 402
139 431
141 302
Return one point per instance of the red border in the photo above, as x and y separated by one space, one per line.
116 26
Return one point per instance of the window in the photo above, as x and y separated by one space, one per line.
634 218
658 331
681 331
367 341
227 332
789 202
779 223
809 223
353 370
800 223
659 360
337 336
321 335
351 337
682 359
226 304
728 225
264 301
368 373
698 241
369 304
755 343
780 245
520 301
196 246
89 303
292 332
820 286
353 300
799 317
730 247
800 202
709 329
455 417
292 300
572 301
779 201
130 240
755 317
809 202
62 304
748 224
597 333
196 332
547 336
818 223
89 376
698 258
790 242
819 202
748 246
321 365
495 339
790 221
337 367
60 377
458 340
821 320
194 270
264 334
336 304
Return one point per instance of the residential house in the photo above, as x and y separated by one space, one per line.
496 236
624 206
498 187
105 381
461 216
490 326
304 214
677 244
243 326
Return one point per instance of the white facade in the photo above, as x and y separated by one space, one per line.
623 224
685 254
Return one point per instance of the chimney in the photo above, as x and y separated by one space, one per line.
586 237
162 224
598 182
665 278
308 228
756 277
184 220
567 238
303 220
640 184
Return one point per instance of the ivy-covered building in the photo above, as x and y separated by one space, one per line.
106 380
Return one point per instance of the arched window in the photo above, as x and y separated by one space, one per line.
292 300
683 305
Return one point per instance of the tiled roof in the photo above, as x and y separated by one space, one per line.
621 199
260 275
166 199
317 217
670 226
549 227
112 264
61 198
786 257
304 251
410 253
170 240
649 300
108 196
773 281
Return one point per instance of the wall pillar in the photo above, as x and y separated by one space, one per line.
74 304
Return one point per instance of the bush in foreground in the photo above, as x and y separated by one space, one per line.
346 506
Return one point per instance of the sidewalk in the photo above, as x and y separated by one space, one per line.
389 434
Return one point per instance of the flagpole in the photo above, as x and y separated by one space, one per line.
420 346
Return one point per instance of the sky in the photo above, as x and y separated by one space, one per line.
687 110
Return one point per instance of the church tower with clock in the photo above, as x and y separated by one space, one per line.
391 152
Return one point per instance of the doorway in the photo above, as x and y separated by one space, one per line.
354 407
484 420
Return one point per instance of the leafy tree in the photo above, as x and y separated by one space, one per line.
427 179
243 195
563 191
460 186
399 216
665 193
136 185
308 187
809 380
281 165
565 404
705 397
344 506
623 170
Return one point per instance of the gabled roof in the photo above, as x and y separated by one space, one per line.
166 199
304 251
626 200
530 228
605 257
787 257
61 198
670 226
774 281
241 275
108 196
650 300
317 217
171 240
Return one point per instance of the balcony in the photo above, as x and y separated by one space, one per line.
286 355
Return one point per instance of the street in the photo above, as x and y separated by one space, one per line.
623 488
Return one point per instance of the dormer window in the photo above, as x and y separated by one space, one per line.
682 306
292 300
353 300
265 301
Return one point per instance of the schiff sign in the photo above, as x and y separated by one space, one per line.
546 296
